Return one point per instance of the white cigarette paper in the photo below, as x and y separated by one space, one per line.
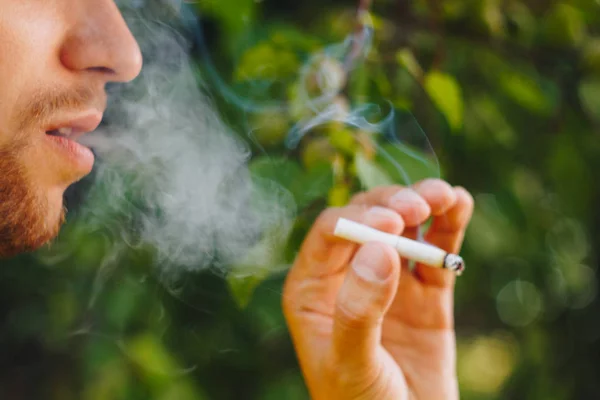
407 248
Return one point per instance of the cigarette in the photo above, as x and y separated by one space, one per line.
407 248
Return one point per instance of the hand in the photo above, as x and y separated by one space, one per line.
364 326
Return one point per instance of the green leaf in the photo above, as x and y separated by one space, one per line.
153 360
589 93
289 386
266 257
520 82
305 186
406 165
369 173
312 185
234 22
446 93
257 264
591 56
265 61
487 119
280 170
525 91
407 60
242 287
564 26
182 390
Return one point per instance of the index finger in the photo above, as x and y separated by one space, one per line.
323 254
430 197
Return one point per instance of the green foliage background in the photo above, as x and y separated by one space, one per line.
508 95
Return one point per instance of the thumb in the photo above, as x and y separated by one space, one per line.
366 294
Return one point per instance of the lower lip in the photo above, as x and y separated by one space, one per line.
78 155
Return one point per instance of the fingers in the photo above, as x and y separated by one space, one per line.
439 195
415 205
406 202
313 284
447 232
322 253
451 208
366 294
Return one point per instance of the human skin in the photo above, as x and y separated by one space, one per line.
357 337
56 58
363 324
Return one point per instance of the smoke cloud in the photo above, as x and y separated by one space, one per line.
173 180
171 177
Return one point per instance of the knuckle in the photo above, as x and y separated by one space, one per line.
360 197
351 319
380 212
331 214
328 215
434 184
384 219
353 315
408 196
393 189
432 181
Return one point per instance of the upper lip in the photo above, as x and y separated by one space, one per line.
79 124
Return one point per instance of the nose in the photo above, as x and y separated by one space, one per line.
100 41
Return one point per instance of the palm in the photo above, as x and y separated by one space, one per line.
411 322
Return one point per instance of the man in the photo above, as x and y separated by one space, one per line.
364 325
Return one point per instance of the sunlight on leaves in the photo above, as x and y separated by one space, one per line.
446 93
370 174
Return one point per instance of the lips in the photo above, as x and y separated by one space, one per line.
62 132
75 127
62 136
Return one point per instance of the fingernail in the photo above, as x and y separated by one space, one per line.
406 197
377 215
372 264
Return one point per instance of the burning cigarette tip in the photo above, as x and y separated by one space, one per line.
454 263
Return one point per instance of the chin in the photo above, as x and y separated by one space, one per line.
30 224
56 204
53 219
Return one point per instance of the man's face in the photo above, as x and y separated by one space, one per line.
56 57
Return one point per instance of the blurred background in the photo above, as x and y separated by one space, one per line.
499 96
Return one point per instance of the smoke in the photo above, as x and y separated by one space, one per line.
320 99
172 180
171 177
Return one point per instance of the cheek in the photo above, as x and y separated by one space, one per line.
30 40
10 85
22 174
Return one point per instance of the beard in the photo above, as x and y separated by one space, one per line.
28 219
25 222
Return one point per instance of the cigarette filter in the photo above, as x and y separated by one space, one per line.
407 248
